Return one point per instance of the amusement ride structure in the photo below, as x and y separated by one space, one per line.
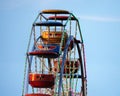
55 60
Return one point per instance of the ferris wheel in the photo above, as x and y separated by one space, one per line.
55 60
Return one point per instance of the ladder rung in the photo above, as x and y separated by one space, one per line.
72 76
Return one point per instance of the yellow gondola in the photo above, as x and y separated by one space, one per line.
53 37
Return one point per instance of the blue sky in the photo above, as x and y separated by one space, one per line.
100 25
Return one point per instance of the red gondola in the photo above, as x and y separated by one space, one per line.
41 80
61 18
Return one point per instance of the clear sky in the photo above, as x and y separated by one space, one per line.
100 25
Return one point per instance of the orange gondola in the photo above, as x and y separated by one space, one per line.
41 80
55 11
